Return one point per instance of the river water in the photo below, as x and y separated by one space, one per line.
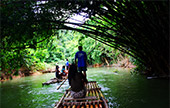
121 88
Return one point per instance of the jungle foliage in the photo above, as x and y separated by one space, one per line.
139 29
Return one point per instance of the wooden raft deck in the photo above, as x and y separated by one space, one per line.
94 98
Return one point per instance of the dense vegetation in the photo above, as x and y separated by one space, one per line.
29 30
56 49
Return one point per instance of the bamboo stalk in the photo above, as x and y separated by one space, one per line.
92 89
91 106
68 94
74 106
82 106
99 91
96 106
61 100
62 83
78 106
87 106
94 94
105 103
87 93
92 84
100 105
90 93
95 85
87 87
97 94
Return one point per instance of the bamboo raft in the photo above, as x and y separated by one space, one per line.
94 98
52 81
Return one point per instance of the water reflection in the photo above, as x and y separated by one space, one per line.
121 89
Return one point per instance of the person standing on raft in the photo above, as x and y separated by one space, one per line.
82 58
67 64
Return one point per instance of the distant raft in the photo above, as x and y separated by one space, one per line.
94 98
52 81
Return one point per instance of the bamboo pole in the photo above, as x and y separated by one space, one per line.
93 89
101 94
99 91
96 90
74 106
82 106
87 106
95 85
90 87
62 83
61 100
100 105
105 103
78 106
68 94
103 99
90 93
96 106
91 106
94 93
92 84
87 93
97 94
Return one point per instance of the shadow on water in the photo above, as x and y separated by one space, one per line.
121 89
124 90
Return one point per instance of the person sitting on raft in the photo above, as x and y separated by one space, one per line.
63 71
57 72
77 82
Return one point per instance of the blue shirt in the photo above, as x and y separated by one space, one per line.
82 57
67 63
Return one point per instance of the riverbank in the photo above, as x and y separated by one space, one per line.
23 72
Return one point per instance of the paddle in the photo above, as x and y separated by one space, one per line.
62 83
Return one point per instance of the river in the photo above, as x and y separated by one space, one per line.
120 88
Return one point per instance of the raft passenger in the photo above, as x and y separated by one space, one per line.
77 82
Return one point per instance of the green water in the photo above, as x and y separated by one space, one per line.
122 90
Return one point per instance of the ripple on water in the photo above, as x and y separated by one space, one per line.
22 86
105 88
102 79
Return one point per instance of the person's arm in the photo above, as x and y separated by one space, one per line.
84 78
